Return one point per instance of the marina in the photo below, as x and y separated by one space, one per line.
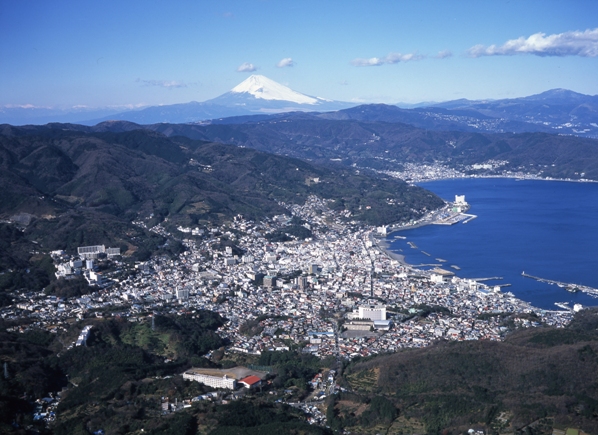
451 219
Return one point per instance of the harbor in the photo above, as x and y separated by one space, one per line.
487 248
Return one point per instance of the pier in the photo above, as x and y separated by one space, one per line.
452 219
573 288
427 265
470 216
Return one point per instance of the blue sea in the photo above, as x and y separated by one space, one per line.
548 229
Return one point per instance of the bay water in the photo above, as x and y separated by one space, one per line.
548 229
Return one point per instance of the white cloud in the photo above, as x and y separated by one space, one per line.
576 43
444 54
246 67
287 61
392 58
398 57
372 61
169 84
25 106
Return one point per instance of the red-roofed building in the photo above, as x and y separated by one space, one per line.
251 382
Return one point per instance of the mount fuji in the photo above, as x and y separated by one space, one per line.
255 95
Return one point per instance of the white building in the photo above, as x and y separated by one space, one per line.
383 230
63 270
96 278
270 258
372 312
83 336
112 252
211 378
91 251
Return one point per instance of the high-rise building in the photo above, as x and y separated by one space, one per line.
302 282
269 281
182 294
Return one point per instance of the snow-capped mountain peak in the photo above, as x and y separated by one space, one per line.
262 87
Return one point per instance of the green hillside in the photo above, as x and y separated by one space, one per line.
71 188
533 381
389 145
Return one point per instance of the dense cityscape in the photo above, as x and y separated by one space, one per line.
302 287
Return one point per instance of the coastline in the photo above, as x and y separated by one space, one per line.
383 244
509 177
532 293
384 247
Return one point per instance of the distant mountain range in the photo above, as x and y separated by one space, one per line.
557 111
385 145
257 94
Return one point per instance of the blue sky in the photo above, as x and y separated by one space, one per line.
135 53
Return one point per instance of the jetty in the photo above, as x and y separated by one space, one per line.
450 219
570 287
469 216
453 218
427 265
563 305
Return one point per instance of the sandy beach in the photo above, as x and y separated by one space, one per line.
383 245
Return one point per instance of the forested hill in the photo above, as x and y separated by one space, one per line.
72 185
388 145
536 380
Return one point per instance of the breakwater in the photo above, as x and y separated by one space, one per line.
570 287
